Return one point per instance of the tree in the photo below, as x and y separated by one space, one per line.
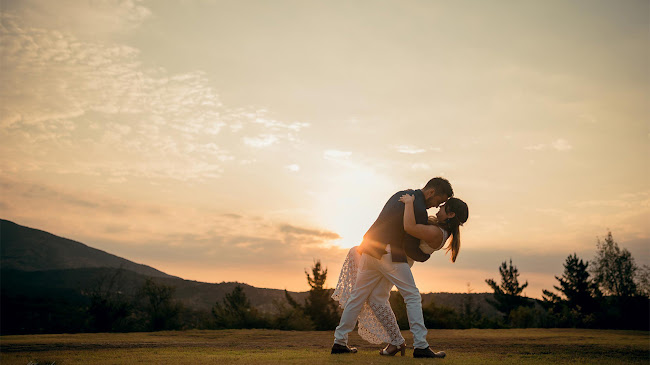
614 269
579 294
507 296
109 307
643 281
161 311
440 316
319 305
578 290
471 314
236 311
291 317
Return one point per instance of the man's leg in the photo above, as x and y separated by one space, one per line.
399 274
367 279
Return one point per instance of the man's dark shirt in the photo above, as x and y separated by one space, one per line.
389 229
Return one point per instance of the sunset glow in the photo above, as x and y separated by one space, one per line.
240 141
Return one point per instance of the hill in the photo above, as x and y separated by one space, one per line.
72 284
37 265
28 249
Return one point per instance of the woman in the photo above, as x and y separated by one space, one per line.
377 322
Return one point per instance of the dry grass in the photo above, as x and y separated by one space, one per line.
516 346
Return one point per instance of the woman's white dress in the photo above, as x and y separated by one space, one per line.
377 323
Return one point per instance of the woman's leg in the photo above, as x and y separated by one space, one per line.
380 305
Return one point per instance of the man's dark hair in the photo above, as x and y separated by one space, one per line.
441 185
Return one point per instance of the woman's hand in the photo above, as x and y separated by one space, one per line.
407 198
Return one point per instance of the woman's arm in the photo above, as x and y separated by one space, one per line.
430 234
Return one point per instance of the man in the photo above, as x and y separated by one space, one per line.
388 229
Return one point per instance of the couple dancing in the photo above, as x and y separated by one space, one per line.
401 235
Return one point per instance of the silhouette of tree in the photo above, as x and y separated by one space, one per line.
319 305
291 317
643 280
471 313
507 296
161 311
439 316
579 294
292 302
614 269
236 311
109 307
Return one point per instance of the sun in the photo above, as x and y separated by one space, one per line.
352 201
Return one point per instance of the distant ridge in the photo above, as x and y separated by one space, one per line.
35 262
28 249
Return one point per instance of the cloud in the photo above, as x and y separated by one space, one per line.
289 229
277 125
411 150
560 145
172 234
336 154
64 95
261 141
32 193
232 215
96 17
293 167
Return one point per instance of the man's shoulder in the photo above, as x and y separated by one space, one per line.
402 192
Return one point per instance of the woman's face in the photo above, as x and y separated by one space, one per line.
442 213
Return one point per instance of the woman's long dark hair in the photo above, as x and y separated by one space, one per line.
452 225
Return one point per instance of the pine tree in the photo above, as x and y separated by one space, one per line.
578 290
579 293
471 313
507 296
319 305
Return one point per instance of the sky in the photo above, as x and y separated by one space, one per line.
243 140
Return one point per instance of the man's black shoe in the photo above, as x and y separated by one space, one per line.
428 353
340 349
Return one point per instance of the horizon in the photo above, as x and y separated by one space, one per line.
219 141
467 291
222 282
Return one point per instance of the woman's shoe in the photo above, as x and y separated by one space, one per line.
401 348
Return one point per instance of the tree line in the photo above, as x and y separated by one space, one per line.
610 291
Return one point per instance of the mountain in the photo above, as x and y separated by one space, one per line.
37 262
458 300
28 249
34 261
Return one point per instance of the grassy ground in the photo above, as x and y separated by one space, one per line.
516 346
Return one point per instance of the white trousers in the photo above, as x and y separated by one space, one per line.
374 282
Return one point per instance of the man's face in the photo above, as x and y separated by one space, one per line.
434 201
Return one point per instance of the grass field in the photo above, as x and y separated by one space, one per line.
515 346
